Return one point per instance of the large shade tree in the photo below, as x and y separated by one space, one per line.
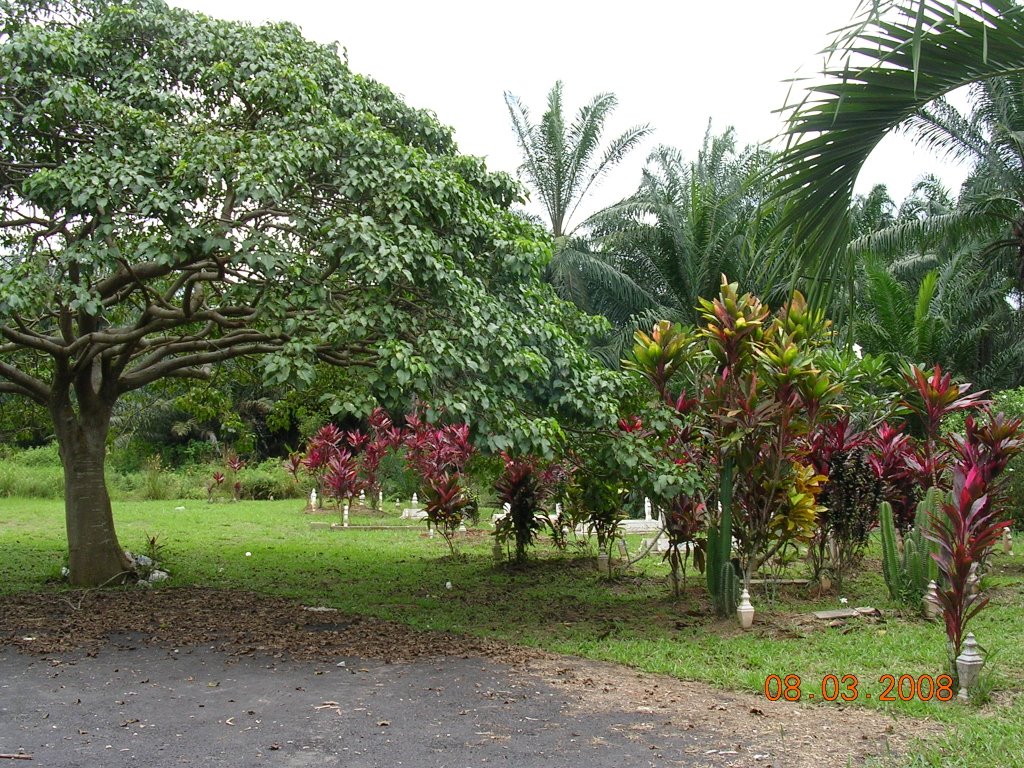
177 191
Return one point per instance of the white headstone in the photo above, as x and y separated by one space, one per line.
415 500
362 497
507 508
312 499
380 499
462 528
558 509
647 508
344 516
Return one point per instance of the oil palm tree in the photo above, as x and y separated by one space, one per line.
976 242
667 245
952 314
562 162
898 57
688 223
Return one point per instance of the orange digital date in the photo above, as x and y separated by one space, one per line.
847 688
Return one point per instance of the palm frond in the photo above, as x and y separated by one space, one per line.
899 56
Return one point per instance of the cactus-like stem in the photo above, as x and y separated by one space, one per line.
719 550
890 557
928 510
730 593
907 577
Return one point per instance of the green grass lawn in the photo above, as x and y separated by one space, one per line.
559 602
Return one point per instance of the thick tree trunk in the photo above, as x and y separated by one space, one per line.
95 557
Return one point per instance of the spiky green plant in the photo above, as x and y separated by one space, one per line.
723 585
907 575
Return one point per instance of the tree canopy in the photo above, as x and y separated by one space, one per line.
177 191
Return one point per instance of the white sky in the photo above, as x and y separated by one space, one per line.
673 65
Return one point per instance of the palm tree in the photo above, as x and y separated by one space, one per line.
952 314
976 242
562 163
898 57
653 255
688 223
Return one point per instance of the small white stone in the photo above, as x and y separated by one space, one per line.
248 554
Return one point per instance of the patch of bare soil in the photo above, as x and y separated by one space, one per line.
747 729
751 730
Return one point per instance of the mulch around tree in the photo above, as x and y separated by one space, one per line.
670 721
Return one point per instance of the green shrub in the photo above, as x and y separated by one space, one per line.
39 482
269 480
155 486
43 456
395 478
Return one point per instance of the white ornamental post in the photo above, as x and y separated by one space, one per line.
745 611
344 516
932 606
968 666
647 508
